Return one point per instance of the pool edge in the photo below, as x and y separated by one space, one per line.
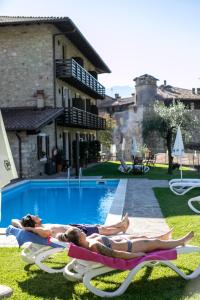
117 207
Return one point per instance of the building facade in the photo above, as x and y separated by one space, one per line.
49 89
129 113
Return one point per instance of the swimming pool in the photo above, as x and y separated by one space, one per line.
59 201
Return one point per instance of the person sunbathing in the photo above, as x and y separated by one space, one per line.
34 224
121 247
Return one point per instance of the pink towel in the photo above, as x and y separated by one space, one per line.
119 263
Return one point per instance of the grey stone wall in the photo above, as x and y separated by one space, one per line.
26 64
31 166
128 126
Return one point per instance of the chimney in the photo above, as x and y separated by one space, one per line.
193 91
165 82
40 99
198 91
117 96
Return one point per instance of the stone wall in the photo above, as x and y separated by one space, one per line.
26 64
128 125
31 166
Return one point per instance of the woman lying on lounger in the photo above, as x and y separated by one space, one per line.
122 247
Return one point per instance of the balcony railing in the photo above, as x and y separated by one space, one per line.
71 71
74 117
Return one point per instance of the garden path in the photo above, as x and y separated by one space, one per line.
143 209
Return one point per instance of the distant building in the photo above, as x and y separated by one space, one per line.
112 105
129 112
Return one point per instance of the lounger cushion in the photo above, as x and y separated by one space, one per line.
24 236
118 263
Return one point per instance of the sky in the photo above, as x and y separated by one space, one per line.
133 37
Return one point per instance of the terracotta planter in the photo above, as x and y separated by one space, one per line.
59 168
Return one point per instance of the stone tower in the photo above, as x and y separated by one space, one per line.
146 90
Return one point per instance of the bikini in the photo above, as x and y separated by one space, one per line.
106 241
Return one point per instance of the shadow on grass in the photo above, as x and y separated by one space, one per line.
173 205
55 286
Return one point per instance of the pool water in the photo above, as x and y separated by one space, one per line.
59 201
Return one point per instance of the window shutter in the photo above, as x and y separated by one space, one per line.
39 146
47 146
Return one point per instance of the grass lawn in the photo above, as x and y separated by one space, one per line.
160 283
110 170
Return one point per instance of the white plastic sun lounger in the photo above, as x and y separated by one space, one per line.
190 204
84 270
182 186
37 249
127 169
38 254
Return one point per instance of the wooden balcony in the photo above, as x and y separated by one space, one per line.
70 71
74 117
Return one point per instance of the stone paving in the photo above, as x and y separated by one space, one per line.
143 209
140 204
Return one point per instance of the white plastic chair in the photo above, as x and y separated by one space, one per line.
190 204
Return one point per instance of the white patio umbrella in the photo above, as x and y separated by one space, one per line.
7 172
7 166
123 147
178 149
134 147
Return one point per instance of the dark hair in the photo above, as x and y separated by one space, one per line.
71 235
27 221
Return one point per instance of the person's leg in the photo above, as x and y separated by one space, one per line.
123 221
164 237
148 245
115 228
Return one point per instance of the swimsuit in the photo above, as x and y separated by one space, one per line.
87 228
106 241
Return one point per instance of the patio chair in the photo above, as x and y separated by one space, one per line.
190 204
36 248
182 186
86 265
132 169
124 168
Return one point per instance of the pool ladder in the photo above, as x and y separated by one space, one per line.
68 175
79 175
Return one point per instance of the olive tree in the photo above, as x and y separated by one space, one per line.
106 136
164 120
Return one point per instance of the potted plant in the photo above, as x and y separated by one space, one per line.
59 158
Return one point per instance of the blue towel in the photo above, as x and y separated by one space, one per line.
24 236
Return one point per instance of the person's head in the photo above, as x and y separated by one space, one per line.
73 235
31 221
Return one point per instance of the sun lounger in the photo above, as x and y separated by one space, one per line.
133 169
38 249
182 186
190 204
86 265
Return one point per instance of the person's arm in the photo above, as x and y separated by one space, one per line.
16 223
45 233
116 253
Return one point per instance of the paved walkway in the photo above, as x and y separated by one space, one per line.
142 207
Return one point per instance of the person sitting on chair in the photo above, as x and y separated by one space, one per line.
34 224
121 247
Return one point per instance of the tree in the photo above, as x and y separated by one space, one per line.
106 136
164 120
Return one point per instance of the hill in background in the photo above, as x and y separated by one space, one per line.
123 91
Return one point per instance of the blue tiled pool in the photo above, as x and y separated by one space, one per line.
59 201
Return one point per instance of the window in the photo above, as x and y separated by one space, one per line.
43 146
